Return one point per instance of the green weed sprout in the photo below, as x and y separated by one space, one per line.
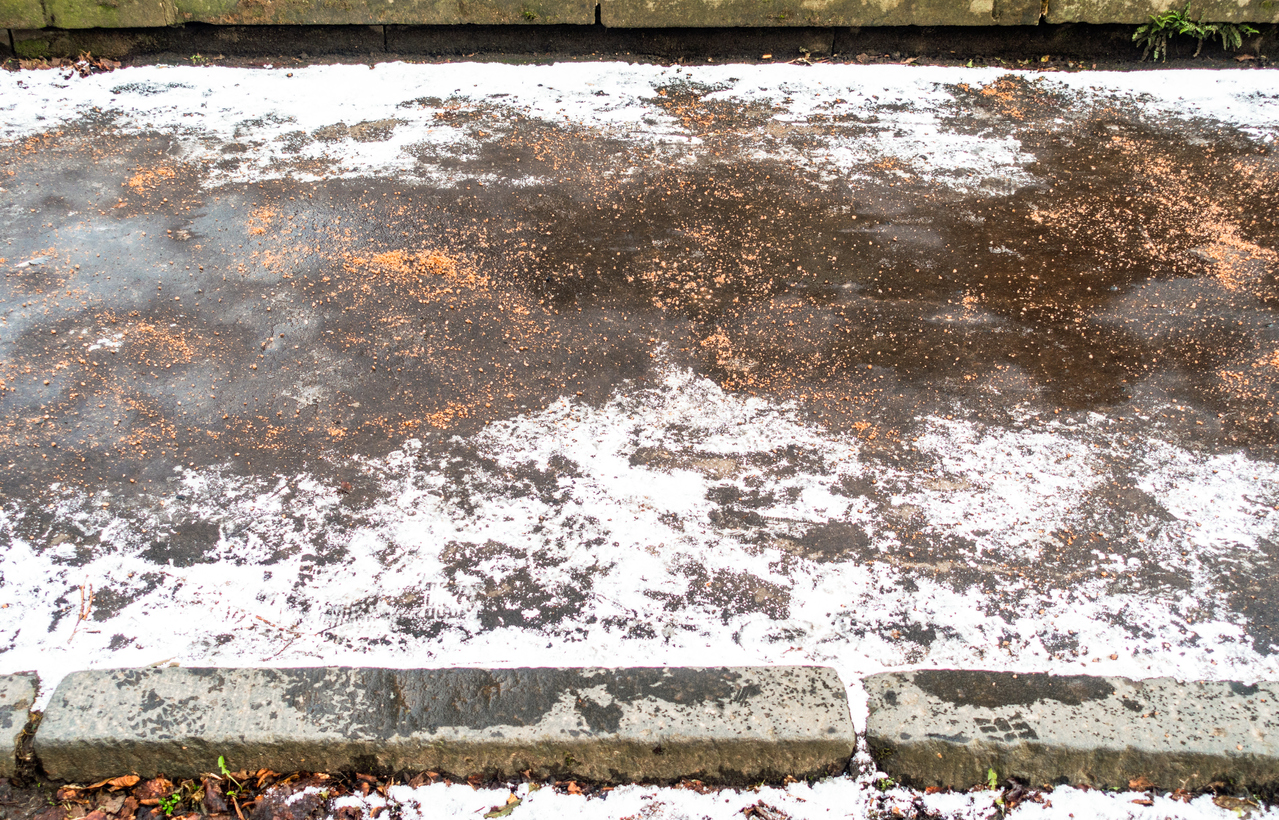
1153 37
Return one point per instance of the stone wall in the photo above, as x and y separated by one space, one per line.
110 14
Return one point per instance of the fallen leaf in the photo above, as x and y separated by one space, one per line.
1236 804
765 812
502 811
112 803
1243 58
123 782
150 792
1144 801
910 61
214 799
1140 784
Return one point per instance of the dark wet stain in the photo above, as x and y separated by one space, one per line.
515 589
991 690
834 541
728 593
427 700
184 544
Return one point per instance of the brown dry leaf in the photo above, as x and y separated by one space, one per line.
1238 805
122 782
765 812
1243 58
573 788
215 801
1144 801
1181 795
150 792
112 803
1140 784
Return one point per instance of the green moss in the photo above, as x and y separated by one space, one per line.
122 14
204 9
32 49
21 14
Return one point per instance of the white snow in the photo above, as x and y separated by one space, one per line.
628 536
823 800
630 566
907 114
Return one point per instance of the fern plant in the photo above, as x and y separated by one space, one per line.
1154 36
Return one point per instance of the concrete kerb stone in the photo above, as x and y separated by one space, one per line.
951 728
21 14
1139 11
17 694
827 13
726 725
198 38
385 12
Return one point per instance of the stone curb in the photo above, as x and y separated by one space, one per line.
952 728
17 694
519 43
90 14
948 728
724 725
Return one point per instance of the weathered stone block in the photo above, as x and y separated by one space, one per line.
17 693
56 42
1139 11
385 12
21 14
736 725
950 728
110 14
703 13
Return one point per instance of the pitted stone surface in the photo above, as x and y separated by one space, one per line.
950 728
731 725
1140 11
732 13
17 692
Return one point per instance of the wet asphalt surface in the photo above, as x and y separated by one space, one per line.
152 320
